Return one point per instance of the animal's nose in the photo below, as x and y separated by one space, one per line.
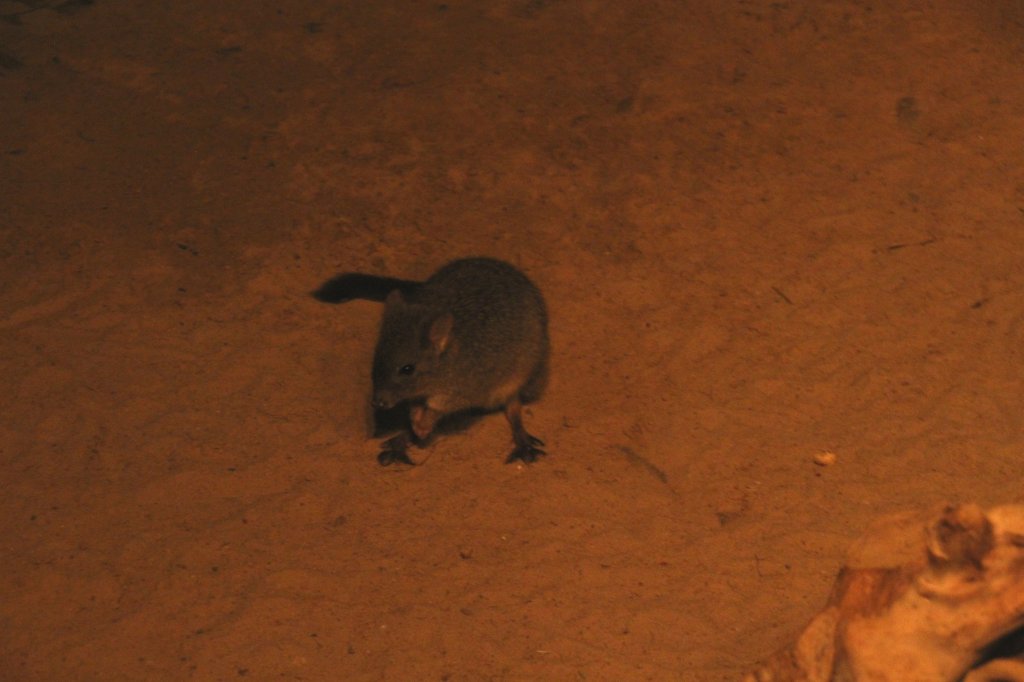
381 403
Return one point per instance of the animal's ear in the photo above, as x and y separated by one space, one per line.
441 332
394 298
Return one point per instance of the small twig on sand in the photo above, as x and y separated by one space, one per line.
782 295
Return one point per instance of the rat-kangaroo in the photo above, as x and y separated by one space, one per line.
473 336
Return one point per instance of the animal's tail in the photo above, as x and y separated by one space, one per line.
352 285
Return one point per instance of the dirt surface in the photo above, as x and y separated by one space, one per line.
765 230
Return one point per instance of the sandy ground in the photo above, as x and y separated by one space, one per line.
764 230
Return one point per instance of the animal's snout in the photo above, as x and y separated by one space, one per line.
382 402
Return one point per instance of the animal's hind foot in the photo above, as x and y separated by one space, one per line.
527 451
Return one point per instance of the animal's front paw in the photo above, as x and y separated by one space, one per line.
389 457
395 450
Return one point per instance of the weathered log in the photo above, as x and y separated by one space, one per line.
934 597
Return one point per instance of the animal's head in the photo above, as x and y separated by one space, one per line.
415 341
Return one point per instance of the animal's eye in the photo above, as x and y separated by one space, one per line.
406 370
